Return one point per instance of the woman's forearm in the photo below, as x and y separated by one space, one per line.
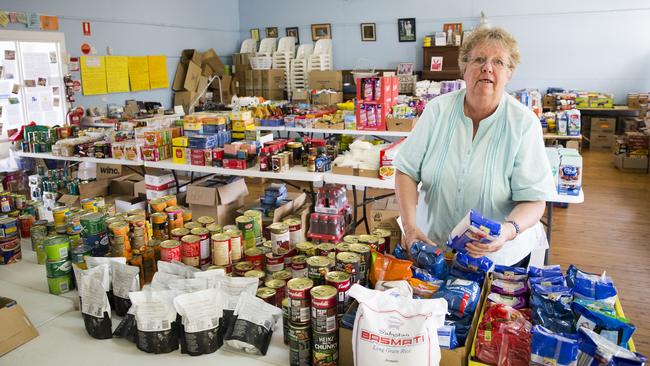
406 190
527 214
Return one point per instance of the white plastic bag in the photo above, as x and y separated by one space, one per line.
391 329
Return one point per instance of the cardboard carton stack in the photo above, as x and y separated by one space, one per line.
217 196
631 151
325 87
268 84
193 74
601 134
241 65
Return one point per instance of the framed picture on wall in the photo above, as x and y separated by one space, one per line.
255 34
272 32
294 32
406 29
368 32
405 68
321 31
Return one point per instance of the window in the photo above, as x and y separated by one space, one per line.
31 79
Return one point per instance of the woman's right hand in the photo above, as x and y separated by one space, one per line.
413 235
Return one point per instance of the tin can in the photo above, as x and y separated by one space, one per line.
236 245
78 253
341 281
382 234
296 233
93 223
280 237
285 320
57 248
280 289
282 275
60 214
88 204
98 243
170 250
229 227
159 225
221 250
257 223
306 248
350 263
323 309
255 256
214 229
298 290
73 223
187 215
58 268
245 225
19 201
25 222
342 247
363 250
60 285
158 205
326 349
299 339
324 249
351 239
8 228
267 294
240 268
317 268
170 200
174 217
10 251
274 263
191 250
299 266
38 233
205 247
192 225
256 274
178 233
205 220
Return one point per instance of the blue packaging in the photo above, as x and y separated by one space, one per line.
551 308
548 348
447 335
545 271
400 253
425 276
462 296
590 286
547 281
509 273
616 330
470 268
429 258
598 351
473 227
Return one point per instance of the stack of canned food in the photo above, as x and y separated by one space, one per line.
58 265
9 241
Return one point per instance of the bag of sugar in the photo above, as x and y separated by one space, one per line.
473 227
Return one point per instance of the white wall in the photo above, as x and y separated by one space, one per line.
138 28
595 45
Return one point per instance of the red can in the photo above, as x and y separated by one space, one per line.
280 290
288 256
25 223
204 243
191 250
341 282
170 250
274 263
323 309
255 256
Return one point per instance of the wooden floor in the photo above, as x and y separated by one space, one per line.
610 232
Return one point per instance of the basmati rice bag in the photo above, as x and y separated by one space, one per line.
390 329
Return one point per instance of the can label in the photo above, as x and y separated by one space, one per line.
257 260
326 349
204 244
280 241
58 268
274 263
296 234
323 314
170 254
221 252
342 286
299 345
235 248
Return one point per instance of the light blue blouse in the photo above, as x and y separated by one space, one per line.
505 162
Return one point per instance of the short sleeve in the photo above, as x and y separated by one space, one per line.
531 178
410 158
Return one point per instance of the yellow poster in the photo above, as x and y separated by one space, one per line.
158 72
117 74
93 75
139 73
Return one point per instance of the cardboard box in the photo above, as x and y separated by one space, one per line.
192 55
125 203
208 197
202 84
327 98
125 185
213 60
108 171
300 96
192 77
295 203
206 70
343 170
600 124
601 141
326 80
383 215
16 328
400 124
272 79
368 173
273 94
158 178
179 77
241 58
631 163
69 200
94 189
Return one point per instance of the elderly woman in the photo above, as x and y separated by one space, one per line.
477 148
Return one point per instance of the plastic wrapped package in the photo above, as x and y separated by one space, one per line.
503 337
590 286
615 329
231 289
422 289
551 308
156 320
127 328
429 258
393 329
545 271
470 268
595 350
252 327
462 326
400 253
550 348
176 268
447 335
95 307
547 281
388 268
92 262
516 302
462 296
402 286
509 288
188 285
423 275
509 273
125 279
210 277
473 227
201 315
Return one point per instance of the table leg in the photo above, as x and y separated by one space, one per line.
365 212
354 209
549 229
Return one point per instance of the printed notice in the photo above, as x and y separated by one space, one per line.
93 75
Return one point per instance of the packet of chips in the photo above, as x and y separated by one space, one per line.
385 267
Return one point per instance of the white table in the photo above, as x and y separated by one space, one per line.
79 158
326 131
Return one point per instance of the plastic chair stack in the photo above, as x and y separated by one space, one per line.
299 67
267 47
282 58
248 46
321 59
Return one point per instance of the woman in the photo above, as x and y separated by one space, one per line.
477 148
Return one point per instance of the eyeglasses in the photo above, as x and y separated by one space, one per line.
496 62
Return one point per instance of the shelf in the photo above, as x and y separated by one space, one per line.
78 158
335 132
358 181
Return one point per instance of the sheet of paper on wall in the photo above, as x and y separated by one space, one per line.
117 74
158 78
34 21
93 75
139 73
6 86
36 65
49 22
47 103
13 116
9 67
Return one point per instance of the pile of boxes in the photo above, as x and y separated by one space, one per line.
156 144
375 97
193 74
240 155
631 151
241 64
159 184
601 134
268 84
325 88
241 122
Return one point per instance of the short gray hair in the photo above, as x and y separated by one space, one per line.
485 34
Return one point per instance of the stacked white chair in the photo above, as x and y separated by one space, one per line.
299 67
321 59
282 58
267 47
248 46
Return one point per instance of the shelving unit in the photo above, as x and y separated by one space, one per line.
78 158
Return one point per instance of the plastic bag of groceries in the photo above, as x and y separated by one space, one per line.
390 329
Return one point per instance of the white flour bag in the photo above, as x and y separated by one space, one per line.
391 329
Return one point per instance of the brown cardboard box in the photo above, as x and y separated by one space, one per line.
125 185
16 328
300 96
94 189
241 69
368 173
255 92
272 79
257 79
248 79
327 98
631 163
600 124
273 94
184 98
400 124
343 170
220 201
241 58
193 55
192 77
326 80
601 141
108 171
69 200
202 85
383 215
206 70
548 101
179 77
211 58
295 204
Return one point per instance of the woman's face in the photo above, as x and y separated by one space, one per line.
488 70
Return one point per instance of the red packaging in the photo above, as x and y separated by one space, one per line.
503 337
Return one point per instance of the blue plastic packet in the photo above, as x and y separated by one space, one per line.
425 276
462 296
548 348
473 227
471 264
469 276
447 335
615 329
510 273
595 350
551 308
547 281
590 286
429 258
400 253
598 306
545 271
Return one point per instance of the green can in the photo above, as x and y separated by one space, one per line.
58 268
57 248
38 233
41 256
246 226
325 349
93 223
60 285
257 221
78 253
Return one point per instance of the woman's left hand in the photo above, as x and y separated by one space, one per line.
476 249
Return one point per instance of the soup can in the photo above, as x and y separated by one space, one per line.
306 248
267 294
236 245
239 269
191 250
206 251
296 233
57 248
317 268
323 309
255 256
299 266
341 281
256 274
170 250
178 233
245 225
206 220
280 289
280 237
298 291
350 263
363 250
221 250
